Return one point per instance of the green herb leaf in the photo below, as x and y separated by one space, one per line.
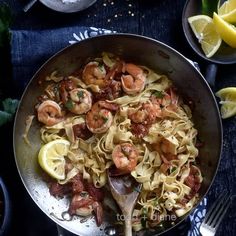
101 66
144 217
69 104
80 94
155 202
159 94
105 119
173 169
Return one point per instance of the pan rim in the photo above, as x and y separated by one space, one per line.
182 58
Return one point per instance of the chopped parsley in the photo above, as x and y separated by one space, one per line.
101 66
80 94
173 169
69 104
159 94
155 202
144 217
105 119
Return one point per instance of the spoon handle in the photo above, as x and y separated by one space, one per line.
29 5
128 224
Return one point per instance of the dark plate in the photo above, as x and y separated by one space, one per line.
225 55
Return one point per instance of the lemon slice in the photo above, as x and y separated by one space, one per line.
227 11
228 101
204 29
51 158
226 31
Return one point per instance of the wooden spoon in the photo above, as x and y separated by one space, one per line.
125 190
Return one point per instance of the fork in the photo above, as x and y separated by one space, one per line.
215 215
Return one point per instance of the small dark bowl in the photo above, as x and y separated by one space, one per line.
6 214
225 55
68 7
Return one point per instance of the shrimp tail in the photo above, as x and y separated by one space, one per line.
98 211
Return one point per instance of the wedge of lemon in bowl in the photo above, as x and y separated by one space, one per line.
204 30
226 31
228 101
51 158
227 11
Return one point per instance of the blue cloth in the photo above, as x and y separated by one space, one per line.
30 49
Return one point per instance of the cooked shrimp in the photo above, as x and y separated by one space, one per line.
94 73
110 92
66 85
115 71
109 106
135 81
100 118
83 204
146 114
49 113
76 100
125 157
170 100
98 211
79 101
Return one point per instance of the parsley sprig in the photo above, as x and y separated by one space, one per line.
159 94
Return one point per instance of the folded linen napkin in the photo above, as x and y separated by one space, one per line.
30 49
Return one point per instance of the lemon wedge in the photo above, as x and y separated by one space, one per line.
228 101
226 31
51 158
227 11
204 29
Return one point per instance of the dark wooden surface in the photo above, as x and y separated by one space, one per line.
159 19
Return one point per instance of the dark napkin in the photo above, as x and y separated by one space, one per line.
31 49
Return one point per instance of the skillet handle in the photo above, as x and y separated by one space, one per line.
211 71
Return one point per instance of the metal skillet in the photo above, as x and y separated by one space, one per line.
225 54
140 50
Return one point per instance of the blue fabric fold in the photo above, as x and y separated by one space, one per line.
31 49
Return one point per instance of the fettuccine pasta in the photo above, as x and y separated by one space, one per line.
119 115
